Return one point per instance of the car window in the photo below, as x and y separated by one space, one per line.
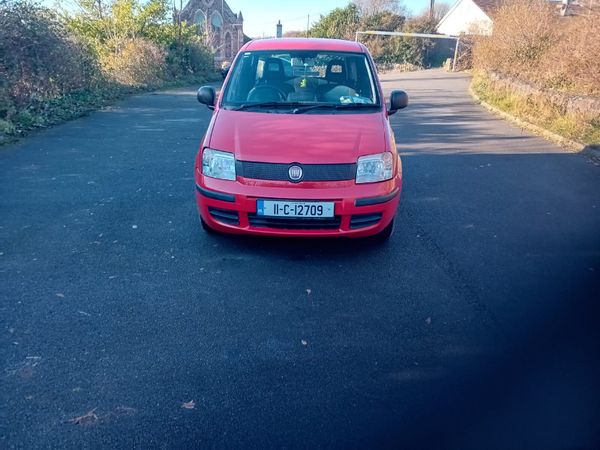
305 77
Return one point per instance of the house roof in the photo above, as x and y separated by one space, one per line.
487 6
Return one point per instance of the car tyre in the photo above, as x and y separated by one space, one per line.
385 234
206 227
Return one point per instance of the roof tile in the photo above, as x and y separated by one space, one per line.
487 6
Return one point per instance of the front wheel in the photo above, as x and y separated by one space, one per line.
385 234
206 227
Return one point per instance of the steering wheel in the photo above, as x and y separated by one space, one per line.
266 93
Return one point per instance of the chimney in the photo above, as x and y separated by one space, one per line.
279 30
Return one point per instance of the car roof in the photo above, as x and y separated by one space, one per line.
337 45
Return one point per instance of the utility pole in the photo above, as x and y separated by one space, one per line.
307 24
431 8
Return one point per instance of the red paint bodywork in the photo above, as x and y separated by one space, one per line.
305 139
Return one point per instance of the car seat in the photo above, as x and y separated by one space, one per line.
274 75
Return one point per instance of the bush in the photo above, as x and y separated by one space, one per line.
39 59
387 51
54 67
135 62
545 71
573 63
550 51
188 59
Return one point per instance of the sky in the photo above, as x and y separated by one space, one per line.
261 16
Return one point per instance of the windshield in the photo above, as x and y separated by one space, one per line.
283 81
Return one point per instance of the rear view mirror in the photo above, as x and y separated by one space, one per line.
206 95
398 100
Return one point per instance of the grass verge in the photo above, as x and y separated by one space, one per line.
538 110
77 104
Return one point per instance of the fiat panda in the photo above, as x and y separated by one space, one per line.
300 143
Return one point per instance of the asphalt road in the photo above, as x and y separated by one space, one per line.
475 326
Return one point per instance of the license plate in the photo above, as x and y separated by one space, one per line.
278 208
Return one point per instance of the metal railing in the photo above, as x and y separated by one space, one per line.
417 35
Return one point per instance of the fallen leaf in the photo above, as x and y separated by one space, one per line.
308 291
428 321
60 295
87 419
189 405
134 227
118 412
304 342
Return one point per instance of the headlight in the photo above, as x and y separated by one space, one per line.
373 168
218 164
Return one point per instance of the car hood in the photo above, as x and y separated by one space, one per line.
304 138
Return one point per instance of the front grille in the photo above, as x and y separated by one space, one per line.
364 220
279 172
225 216
294 223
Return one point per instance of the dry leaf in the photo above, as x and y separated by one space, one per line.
304 342
428 321
308 291
87 419
189 405
60 295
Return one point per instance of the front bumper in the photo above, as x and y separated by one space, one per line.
360 210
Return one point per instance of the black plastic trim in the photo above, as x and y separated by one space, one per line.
280 171
365 220
216 195
294 223
221 215
367 201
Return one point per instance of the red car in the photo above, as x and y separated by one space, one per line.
300 143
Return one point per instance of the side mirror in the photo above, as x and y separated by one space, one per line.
207 95
398 100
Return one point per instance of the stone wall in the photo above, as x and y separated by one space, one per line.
570 104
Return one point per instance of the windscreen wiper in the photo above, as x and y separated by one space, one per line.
268 105
303 109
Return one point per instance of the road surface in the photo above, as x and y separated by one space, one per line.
124 325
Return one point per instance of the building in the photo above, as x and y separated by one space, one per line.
223 28
476 16
468 17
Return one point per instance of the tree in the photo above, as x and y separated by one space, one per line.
373 7
294 34
440 10
341 23
415 50
381 47
383 21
